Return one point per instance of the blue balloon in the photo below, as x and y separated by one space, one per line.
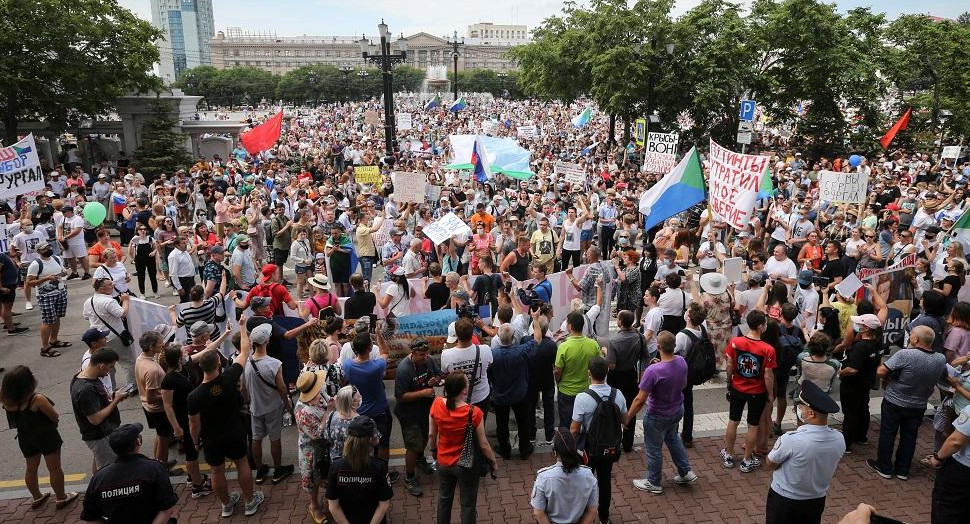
855 160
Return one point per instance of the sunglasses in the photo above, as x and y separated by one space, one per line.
870 236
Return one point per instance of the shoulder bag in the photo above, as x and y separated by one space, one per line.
467 457
125 336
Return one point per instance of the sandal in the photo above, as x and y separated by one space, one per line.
49 352
59 504
36 503
60 344
317 518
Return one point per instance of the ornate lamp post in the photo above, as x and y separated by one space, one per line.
385 60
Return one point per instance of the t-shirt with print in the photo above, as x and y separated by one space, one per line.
918 372
750 359
463 359
411 378
665 382
217 403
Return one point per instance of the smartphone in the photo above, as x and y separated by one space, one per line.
129 389
879 519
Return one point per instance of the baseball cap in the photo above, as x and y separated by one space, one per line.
242 239
261 333
123 438
362 426
805 277
259 302
269 271
93 335
201 328
869 320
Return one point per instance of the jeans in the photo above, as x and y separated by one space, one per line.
687 433
564 408
548 410
905 421
604 483
657 431
466 479
606 240
524 419
367 267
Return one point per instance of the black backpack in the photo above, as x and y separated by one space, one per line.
604 440
701 358
791 346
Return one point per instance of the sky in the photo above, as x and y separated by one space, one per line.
441 17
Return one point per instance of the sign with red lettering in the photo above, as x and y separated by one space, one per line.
733 182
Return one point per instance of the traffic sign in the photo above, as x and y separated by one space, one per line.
745 126
746 112
744 137
640 131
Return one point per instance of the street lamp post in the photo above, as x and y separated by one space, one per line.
454 55
654 65
362 75
386 60
346 69
502 76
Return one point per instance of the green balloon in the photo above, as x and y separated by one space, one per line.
94 213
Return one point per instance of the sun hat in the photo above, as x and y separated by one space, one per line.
309 384
714 283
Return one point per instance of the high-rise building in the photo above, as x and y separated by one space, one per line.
188 28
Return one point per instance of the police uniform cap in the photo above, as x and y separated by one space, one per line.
817 399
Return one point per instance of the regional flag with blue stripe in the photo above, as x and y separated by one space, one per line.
676 192
482 169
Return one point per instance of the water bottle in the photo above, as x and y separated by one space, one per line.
287 419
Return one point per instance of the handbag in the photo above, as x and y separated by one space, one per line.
467 457
321 463
125 336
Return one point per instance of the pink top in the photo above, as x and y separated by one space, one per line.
317 302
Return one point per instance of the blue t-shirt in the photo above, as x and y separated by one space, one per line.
368 378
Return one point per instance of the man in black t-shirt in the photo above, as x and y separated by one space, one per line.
362 302
215 424
95 409
134 489
832 267
417 375
858 375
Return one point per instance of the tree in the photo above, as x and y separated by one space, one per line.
65 60
162 149
199 81
407 78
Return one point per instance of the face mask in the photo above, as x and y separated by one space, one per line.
46 253
856 327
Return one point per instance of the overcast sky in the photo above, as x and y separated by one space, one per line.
440 17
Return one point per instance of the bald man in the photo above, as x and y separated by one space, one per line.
910 376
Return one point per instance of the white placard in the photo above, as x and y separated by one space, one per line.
404 121
432 193
445 228
849 188
733 184
951 152
409 187
733 267
20 170
530 132
490 127
4 240
569 172
660 155
849 285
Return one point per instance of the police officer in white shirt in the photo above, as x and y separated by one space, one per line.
804 461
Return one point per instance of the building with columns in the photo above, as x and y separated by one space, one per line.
279 55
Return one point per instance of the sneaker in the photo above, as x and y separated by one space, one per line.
87 276
261 474
227 509
202 489
902 477
689 478
425 467
412 486
646 485
73 276
155 296
393 477
281 473
873 465
726 459
28 306
747 466
253 506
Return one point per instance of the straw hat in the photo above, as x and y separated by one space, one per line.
309 384
714 283
319 281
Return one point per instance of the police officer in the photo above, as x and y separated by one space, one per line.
804 461
951 491
133 489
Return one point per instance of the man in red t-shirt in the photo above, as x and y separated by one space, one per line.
749 383
272 288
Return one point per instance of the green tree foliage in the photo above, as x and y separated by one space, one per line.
65 60
229 87
163 148
488 81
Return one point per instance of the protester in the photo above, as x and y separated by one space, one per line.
96 410
415 379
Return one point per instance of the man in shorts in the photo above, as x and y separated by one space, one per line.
367 375
216 427
751 384
9 278
417 375
148 379
45 274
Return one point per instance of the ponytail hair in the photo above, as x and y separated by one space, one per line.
455 384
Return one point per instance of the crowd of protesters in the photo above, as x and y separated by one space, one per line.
292 231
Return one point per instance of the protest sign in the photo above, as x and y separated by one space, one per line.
849 285
382 235
639 130
20 169
4 240
367 174
427 324
849 188
410 187
445 228
489 127
733 184
530 132
572 173
951 152
432 193
868 273
660 155
404 122
371 117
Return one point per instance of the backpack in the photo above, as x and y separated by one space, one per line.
604 439
791 347
701 358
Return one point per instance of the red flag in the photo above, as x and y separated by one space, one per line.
263 136
897 127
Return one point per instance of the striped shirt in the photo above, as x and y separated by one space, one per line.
206 312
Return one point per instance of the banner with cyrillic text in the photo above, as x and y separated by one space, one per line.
733 183
20 170
660 156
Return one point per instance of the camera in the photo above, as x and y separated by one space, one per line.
466 311
820 281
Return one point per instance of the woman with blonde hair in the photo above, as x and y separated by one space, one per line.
346 403
113 270
357 489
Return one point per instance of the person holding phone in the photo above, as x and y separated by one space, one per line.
95 409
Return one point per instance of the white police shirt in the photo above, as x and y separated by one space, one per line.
808 457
